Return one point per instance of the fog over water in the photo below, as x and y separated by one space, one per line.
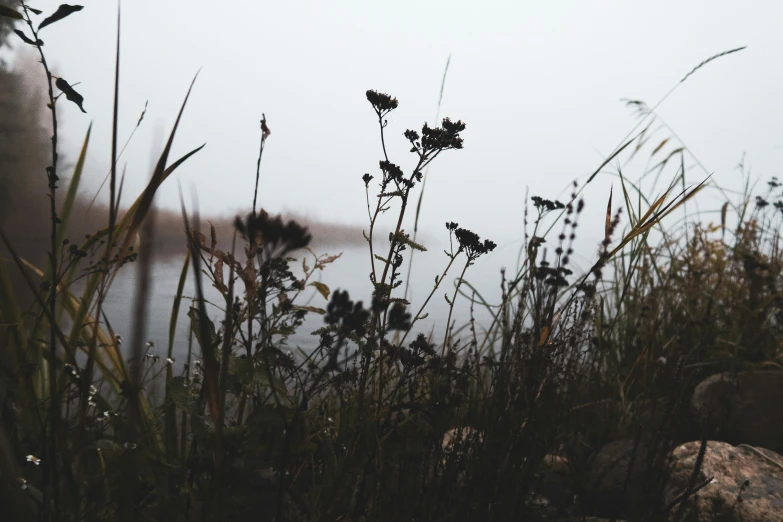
350 272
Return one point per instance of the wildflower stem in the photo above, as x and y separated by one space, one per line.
451 307
426 301
54 417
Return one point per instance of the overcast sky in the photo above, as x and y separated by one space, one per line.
538 84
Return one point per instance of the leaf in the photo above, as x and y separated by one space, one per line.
660 165
322 262
607 160
402 237
313 309
70 93
179 392
322 288
544 335
241 368
627 197
26 39
608 216
208 331
142 113
36 11
62 11
73 187
10 13
659 147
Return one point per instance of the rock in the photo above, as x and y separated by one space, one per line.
556 464
607 475
596 417
456 438
745 410
458 443
651 415
555 485
730 466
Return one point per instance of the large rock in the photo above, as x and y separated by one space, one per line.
554 486
652 416
746 409
731 466
607 495
458 443
460 438
595 417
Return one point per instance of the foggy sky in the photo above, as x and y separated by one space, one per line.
538 84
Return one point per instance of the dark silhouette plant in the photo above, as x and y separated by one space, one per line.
368 425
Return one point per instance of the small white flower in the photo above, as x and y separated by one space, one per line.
119 339
150 355
22 483
169 360
150 344
93 390
329 419
91 402
35 460
130 445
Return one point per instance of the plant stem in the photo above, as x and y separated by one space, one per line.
54 415
451 308
434 289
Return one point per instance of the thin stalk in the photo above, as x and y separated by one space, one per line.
451 308
50 465
89 367
426 301
424 183
264 134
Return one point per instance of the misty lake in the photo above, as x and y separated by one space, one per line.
349 272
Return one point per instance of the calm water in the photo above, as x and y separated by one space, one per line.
350 272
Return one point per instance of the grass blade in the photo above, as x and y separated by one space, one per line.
73 186
170 416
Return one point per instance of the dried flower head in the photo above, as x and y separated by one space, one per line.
441 138
382 103
472 244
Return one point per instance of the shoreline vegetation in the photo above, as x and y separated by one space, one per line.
621 392
25 130
168 241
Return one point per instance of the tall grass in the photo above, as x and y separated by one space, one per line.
354 429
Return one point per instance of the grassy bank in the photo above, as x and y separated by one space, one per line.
374 424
